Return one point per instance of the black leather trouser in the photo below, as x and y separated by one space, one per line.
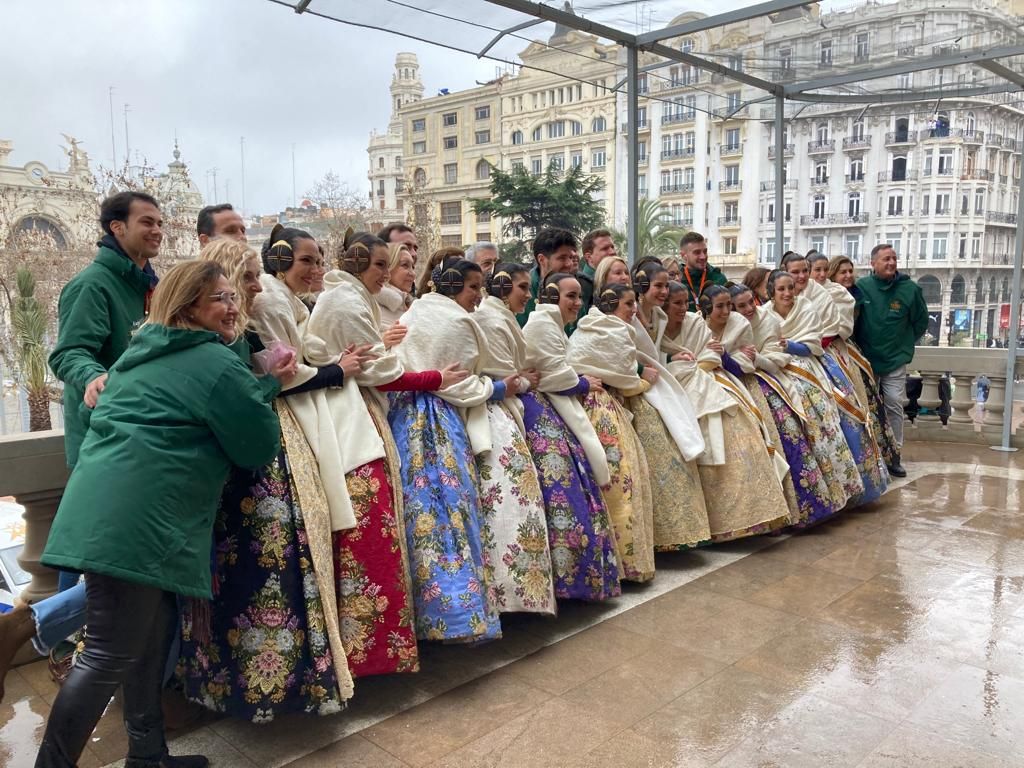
129 632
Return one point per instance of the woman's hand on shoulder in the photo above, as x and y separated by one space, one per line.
716 346
684 356
355 356
452 374
394 335
750 352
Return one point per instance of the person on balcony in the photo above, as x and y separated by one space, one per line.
697 273
139 534
893 316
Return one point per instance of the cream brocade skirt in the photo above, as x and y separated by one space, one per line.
680 513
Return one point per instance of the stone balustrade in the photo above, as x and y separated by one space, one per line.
33 470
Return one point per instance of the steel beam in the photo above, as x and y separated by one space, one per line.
510 30
719 20
571 20
660 49
780 172
1003 71
632 157
904 67
897 97
1013 332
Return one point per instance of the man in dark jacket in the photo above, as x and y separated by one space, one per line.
103 305
697 273
893 316
596 246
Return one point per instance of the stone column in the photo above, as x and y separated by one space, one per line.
39 511
994 405
929 396
961 402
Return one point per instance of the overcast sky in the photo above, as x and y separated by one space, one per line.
216 70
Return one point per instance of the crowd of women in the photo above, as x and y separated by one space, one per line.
436 465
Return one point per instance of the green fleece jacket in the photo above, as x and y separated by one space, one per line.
710 276
98 310
179 409
893 316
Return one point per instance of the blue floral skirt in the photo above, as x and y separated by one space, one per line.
442 520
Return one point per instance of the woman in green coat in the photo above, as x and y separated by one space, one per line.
179 409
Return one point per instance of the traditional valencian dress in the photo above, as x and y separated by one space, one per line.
571 465
861 373
514 528
853 411
273 642
438 436
603 346
823 428
818 495
370 563
666 422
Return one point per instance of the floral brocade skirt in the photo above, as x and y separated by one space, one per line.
267 652
813 493
584 560
680 515
863 447
629 499
517 556
442 520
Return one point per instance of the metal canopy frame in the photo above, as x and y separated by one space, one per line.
806 92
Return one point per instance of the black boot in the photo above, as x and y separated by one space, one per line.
169 761
896 469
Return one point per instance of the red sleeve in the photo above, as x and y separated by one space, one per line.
424 381
827 340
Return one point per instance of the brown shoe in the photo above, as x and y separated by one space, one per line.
17 627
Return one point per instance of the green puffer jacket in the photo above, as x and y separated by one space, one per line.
98 310
179 409
893 316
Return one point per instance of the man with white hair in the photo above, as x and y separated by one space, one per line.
484 255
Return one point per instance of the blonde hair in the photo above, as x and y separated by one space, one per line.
601 273
395 254
835 263
672 260
232 255
179 289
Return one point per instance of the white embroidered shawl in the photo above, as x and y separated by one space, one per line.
705 393
772 359
546 350
604 346
736 335
441 333
802 324
845 305
506 348
279 315
823 303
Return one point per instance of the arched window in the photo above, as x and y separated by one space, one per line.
931 288
599 125
822 132
979 291
958 290
902 129
41 231
536 133
483 170
380 162
993 292
970 123
1004 294
419 177
517 137
858 130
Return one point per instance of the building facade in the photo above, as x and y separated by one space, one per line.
938 181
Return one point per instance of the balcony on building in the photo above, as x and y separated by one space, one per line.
852 143
783 75
976 175
679 117
938 172
1001 218
897 176
973 137
679 153
995 140
641 126
769 186
726 222
893 138
834 220
787 150
855 178
819 181
730 150
730 185
823 145
940 132
676 189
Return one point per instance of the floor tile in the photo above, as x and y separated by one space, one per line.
350 752
907 747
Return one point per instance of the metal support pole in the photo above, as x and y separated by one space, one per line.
780 173
632 156
1013 332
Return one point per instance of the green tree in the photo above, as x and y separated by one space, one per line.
28 318
655 235
528 203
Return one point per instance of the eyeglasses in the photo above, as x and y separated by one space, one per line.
226 297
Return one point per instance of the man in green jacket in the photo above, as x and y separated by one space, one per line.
554 250
893 316
103 305
697 273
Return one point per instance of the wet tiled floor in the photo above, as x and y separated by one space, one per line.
891 637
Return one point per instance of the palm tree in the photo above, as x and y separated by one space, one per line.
28 319
655 236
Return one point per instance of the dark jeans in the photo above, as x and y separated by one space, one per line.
129 632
